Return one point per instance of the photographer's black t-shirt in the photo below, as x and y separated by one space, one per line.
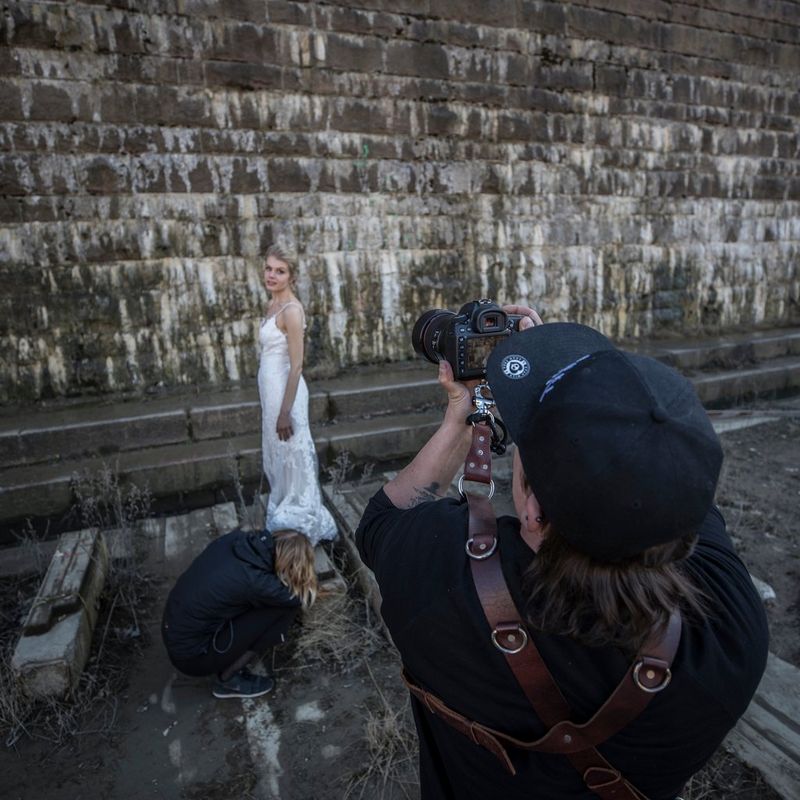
434 615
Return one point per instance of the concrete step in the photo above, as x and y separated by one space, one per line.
729 352
202 473
56 433
729 387
59 433
190 449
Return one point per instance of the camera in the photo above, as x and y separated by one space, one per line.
464 339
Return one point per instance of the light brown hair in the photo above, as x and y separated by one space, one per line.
620 603
294 565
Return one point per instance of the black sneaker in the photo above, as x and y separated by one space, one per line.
243 684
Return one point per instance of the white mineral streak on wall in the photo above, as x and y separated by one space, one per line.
111 379
208 353
169 325
599 279
391 282
319 47
305 49
337 315
230 353
205 275
11 248
483 273
56 367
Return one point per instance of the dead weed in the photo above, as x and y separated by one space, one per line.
334 634
392 745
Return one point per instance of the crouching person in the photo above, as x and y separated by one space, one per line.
237 600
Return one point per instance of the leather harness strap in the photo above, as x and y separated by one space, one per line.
648 675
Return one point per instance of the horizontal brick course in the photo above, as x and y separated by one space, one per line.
633 165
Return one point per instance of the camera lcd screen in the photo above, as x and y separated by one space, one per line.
478 349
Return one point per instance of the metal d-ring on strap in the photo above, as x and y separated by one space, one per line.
651 689
480 556
510 651
461 488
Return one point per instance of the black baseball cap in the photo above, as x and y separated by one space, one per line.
617 447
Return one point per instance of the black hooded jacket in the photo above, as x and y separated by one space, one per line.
234 574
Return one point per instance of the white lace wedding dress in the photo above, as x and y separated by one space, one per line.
295 500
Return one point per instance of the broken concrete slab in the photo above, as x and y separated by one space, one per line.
765 591
186 536
56 638
323 566
767 737
331 583
347 505
50 665
224 517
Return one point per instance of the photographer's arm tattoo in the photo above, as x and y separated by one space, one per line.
426 493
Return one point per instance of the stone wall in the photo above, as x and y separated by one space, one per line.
631 164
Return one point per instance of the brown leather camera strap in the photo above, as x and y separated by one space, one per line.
648 674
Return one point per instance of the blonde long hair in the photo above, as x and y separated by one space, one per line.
294 565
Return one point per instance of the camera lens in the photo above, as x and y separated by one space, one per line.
426 333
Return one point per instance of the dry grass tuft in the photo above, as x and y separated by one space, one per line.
392 745
726 778
333 634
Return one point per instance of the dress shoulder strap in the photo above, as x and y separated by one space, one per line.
291 303
287 305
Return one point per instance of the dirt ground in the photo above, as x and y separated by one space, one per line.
759 495
343 720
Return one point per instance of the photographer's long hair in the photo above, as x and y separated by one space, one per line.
617 604
294 565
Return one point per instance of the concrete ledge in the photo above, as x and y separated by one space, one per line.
190 450
774 377
56 638
226 420
70 433
728 351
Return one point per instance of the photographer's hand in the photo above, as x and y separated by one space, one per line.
434 467
530 317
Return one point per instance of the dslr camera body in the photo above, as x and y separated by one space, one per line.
464 339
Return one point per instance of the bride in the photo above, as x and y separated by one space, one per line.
289 457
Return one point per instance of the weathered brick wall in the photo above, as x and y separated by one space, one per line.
632 164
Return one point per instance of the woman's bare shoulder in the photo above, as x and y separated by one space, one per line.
292 317
294 311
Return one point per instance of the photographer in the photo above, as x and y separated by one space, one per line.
616 548
236 600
